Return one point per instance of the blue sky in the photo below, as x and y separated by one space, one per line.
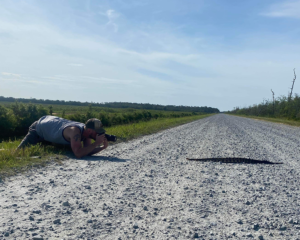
214 53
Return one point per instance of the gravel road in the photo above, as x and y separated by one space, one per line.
146 189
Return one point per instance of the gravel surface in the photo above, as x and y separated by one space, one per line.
146 189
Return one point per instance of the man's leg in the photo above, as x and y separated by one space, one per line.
32 138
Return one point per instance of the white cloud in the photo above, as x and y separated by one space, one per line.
174 68
75 64
112 17
11 74
290 9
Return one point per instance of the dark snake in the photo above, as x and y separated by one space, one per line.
233 160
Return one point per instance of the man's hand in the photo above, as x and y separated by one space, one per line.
105 143
100 139
89 148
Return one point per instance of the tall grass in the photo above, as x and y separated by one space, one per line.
130 131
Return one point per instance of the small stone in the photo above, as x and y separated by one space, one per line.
90 221
37 212
196 235
223 191
88 187
233 233
6 234
249 235
31 218
57 221
66 204
239 221
145 208
135 226
51 181
256 227
291 221
282 228
85 210
261 237
37 238
109 212
247 203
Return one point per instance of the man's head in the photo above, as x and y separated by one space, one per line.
93 127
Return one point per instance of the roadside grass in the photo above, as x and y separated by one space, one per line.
130 131
12 162
275 120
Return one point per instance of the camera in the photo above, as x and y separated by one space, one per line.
111 138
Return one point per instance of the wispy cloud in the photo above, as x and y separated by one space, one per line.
289 9
179 56
10 74
112 15
75 64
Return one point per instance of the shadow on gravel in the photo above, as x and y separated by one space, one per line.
103 158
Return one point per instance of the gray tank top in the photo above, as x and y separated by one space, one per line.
51 128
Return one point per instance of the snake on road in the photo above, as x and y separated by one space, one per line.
233 160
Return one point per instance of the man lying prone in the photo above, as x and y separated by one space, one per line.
62 131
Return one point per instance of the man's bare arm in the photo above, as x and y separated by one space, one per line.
96 150
76 144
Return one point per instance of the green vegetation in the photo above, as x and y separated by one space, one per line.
15 118
287 109
12 161
124 105
283 107
127 132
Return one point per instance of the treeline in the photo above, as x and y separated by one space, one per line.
282 107
146 106
111 119
16 118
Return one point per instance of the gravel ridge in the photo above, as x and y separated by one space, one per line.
146 189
